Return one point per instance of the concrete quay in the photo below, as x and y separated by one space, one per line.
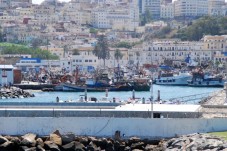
168 120
12 109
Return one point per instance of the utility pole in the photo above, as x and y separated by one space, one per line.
48 55
151 99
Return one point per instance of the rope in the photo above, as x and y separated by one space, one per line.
103 127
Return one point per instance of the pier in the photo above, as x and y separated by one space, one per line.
12 109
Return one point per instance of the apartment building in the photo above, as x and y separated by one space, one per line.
13 3
24 12
99 18
215 43
224 10
153 6
73 12
3 4
190 8
157 51
117 18
215 7
167 10
6 17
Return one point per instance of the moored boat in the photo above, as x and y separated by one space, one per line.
76 88
201 79
170 78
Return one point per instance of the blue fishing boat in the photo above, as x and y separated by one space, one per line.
201 79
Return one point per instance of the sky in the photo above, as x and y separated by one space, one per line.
40 1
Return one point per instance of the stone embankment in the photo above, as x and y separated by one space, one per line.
216 98
196 142
213 106
69 142
14 92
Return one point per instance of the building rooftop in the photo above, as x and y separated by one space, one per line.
6 67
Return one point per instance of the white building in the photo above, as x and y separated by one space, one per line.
191 8
215 7
157 51
153 6
118 18
167 10
99 18
224 10
6 74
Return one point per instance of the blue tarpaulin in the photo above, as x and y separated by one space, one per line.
90 68
188 59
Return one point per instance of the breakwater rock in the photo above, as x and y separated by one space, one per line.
196 142
70 142
14 92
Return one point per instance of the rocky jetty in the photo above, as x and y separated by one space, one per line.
14 92
70 142
216 98
196 142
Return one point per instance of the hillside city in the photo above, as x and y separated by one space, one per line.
113 75
138 32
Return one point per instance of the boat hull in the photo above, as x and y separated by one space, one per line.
173 81
206 83
75 88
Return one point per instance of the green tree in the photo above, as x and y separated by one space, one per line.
66 50
102 49
93 31
137 58
1 37
118 55
123 44
36 42
9 48
146 17
1 34
202 26
223 25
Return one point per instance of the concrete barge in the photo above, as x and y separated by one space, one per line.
143 120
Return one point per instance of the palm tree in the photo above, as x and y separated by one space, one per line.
118 55
102 49
65 48
137 58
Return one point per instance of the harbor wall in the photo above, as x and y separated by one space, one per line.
107 126
94 113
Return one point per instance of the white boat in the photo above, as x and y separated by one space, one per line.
201 79
180 78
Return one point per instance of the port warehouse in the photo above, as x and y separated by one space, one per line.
17 120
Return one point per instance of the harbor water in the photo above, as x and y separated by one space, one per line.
166 93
